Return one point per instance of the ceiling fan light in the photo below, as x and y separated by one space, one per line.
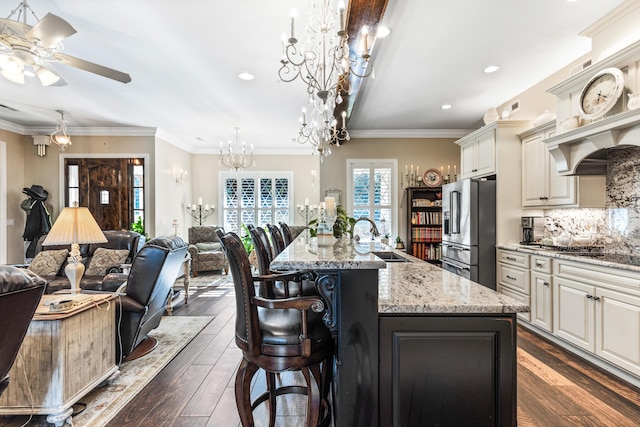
46 76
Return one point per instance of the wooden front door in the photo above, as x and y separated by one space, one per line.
105 188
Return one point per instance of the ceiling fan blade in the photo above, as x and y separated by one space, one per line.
50 30
101 70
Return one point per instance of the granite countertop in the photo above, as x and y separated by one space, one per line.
409 287
606 259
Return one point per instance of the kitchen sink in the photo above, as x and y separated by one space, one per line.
390 257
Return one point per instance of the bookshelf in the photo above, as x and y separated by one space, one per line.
424 222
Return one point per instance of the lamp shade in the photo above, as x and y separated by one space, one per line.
75 225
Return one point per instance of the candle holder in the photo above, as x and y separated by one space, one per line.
200 213
308 213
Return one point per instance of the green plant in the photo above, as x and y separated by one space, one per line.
246 239
343 225
399 240
138 227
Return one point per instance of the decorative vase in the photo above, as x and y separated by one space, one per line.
491 116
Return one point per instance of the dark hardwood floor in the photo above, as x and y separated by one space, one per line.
555 388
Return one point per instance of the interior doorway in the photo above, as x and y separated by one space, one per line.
112 189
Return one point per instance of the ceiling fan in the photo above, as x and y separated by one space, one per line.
28 49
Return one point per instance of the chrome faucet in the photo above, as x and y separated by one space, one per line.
374 228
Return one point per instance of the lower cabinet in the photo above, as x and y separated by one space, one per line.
541 300
448 370
574 313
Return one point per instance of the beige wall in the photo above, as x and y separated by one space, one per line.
14 176
427 153
171 197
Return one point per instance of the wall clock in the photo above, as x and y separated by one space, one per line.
601 93
432 177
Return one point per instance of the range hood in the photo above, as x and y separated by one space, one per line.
583 151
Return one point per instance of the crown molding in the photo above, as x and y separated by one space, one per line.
609 19
410 133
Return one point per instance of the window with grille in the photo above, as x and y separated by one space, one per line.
372 194
255 198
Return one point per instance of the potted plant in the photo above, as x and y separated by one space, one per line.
138 227
399 243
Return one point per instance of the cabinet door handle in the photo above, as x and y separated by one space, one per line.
545 283
596 298
589 296
510 258
510 278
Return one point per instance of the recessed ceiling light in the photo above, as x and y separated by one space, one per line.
491 69
382 32
446 106
245 76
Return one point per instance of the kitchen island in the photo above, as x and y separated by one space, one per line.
416 345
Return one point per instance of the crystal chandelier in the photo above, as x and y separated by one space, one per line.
322 130
236 160
60 136
324 63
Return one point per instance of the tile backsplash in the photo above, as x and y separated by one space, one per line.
616 227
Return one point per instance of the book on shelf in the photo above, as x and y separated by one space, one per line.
426 218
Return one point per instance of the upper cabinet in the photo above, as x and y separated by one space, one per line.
480 150
543 186
494 152
478 155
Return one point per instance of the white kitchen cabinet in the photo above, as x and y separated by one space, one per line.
478 155
513 277
495 151
573 313
541 300
542 186
618 328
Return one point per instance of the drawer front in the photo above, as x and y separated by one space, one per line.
513 258
541 264
517 296
514 278
613 278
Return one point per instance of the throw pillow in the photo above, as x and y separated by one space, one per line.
104 258
48 263
208 247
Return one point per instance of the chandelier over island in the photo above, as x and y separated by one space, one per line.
324 62
238 159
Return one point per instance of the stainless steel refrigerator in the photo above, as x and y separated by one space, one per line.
469 230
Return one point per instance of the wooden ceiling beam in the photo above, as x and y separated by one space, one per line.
359 14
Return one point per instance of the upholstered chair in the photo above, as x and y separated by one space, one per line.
205 250
277 239
278 335
20 293
148 288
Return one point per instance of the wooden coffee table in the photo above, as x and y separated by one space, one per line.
64 356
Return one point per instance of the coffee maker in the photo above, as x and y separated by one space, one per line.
532 229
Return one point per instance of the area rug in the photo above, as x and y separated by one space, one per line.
103 403
205 280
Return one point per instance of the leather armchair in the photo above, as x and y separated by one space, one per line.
149 286
20 293
206 250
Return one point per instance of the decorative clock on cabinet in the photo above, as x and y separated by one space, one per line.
601 93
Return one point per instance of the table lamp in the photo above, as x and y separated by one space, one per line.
74 226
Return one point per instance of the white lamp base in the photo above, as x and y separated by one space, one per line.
74 272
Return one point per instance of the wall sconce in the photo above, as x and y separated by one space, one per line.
41 141
181 177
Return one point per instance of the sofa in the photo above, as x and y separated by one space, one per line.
99 259
206 250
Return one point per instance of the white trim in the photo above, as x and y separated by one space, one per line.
394 187
3 205
145 156
410 133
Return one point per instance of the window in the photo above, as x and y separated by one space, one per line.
138 192
372 194
255 198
